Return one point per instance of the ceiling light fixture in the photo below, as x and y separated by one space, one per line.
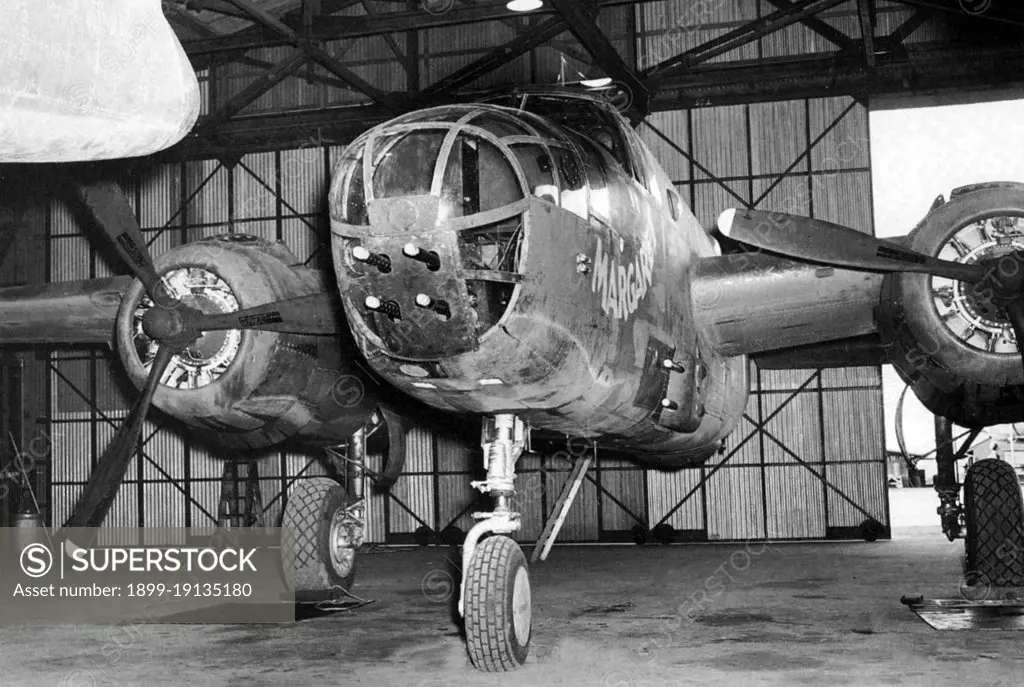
524 5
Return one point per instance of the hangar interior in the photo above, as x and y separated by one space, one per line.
762 105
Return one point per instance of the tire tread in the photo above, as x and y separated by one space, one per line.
304 516
489 633
995 523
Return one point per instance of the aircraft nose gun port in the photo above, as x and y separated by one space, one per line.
390 308
428 258
379 260
440 307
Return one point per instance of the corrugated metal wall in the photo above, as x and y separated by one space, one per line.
807 460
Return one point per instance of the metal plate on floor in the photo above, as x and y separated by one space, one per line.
959 614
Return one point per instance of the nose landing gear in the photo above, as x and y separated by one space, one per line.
495 597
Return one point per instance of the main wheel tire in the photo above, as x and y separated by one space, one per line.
995 523
318 545
498 606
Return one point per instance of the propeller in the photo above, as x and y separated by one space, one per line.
314 314
94 503
813 240
107 203
174 326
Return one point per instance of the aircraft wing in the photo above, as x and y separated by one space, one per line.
752 303
859 351
84 80
62 313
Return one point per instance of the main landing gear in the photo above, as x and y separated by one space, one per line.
992 516
323 527
495 595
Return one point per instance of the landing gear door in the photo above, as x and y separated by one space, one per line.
681 408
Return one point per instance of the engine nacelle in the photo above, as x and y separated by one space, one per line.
251 389
946 338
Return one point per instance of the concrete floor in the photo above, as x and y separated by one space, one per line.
786 614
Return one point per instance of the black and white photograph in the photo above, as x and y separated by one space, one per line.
511 343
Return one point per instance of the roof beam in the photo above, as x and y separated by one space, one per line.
819 26
581 22
866 10
1002 11
500 56
178 14
927 71
739 37
899 35
325 59
346 27
218 6
253 90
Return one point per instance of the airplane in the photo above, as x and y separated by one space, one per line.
524 260
85 80
528 260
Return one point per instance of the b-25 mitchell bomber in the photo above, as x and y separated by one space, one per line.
525 260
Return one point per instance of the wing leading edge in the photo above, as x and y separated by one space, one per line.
78 312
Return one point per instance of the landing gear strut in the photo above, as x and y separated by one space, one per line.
323 527
948 489
495 595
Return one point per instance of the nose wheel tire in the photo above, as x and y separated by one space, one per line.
498 607
319 539
995 524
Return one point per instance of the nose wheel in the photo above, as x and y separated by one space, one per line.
495 597
498 606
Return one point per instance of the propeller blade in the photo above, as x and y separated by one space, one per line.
109 206
823 242
313 314
94 503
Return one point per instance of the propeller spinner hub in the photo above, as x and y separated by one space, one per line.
163 324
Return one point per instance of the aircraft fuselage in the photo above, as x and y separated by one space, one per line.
492 260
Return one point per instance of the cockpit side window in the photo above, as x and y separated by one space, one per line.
538 167
642 169
477 178
353 194
574 181
396 172
587 119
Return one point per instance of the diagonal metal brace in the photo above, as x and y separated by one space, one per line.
561 508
